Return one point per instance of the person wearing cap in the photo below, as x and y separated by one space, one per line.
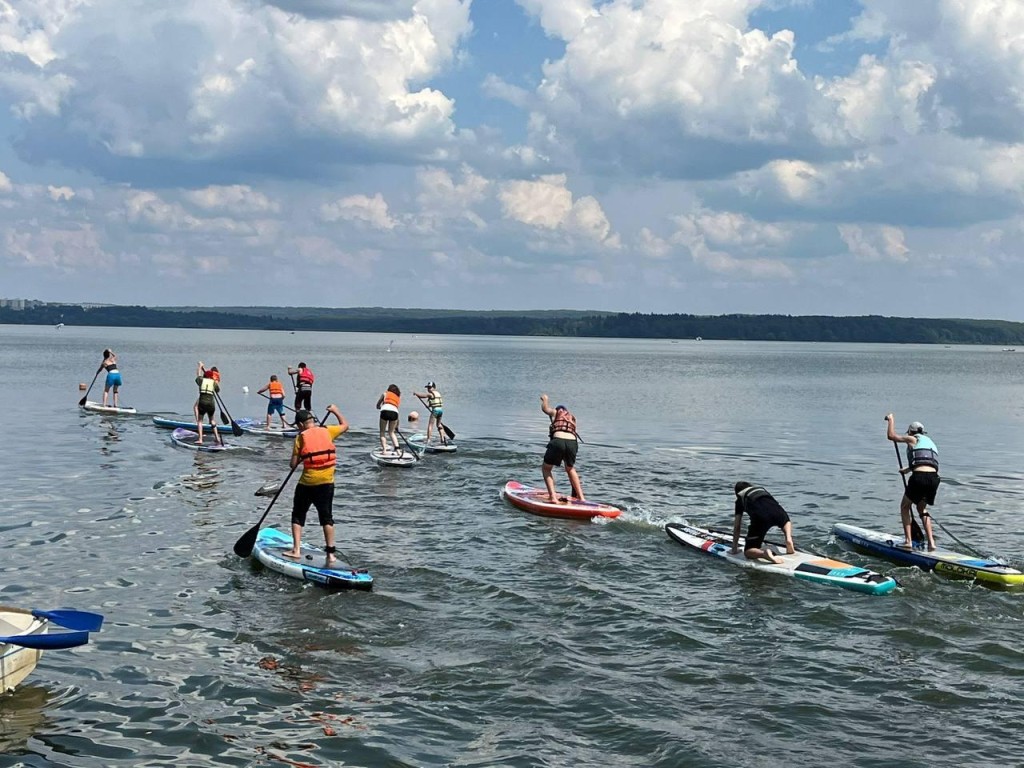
563 444
435 404
314 447
923 466
765 513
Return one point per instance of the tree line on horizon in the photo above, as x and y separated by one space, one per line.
571 323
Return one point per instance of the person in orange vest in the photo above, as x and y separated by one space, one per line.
388 404
563 443
275 396
314 447
303 386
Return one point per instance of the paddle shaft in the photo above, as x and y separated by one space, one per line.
264 394
86 397
411 449
246 542
447 431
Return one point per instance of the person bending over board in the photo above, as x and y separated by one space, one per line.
563 443
275 400
923 466
113 381
314 447
388 404
206 403
765 513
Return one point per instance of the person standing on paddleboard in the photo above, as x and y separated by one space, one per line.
206 403
113 381
275 396
563 444
765 513
303 386
923 466
435 404
388 404
314 447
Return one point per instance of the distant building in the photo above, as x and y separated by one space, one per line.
21 304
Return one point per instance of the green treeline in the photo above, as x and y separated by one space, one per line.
871 328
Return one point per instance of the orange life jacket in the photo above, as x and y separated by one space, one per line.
276 389
390 398
563 422
317 448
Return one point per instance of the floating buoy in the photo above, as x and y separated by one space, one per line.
81 386
245 390
414 416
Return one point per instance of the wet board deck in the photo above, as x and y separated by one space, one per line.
311 566
805 566
536 500
185 438
946 562
159 421
110 410
257 427
419 442
389 459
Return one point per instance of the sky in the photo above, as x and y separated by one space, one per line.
835 157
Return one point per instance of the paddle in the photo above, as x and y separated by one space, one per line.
48 642
916 534
451 435
66 617
86 397
246 542
235 429
407 445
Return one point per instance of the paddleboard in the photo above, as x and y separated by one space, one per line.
158 421
419 443
311 566
112 410
954 565
186 438
390 459
255 427
536 500
805 566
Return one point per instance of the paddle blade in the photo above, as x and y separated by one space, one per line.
48 642
224 418
447 431
246 542
82 401
66 617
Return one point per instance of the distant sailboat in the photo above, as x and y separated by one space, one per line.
58 326
389 344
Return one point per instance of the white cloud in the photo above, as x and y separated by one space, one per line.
60 193
370 210
875 243
5 184
238 199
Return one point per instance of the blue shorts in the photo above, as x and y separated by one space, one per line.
113 379
437 413
275 406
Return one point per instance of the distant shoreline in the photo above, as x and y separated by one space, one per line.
563 323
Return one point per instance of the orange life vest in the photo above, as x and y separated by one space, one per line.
390 398
317 448
276 389
563 422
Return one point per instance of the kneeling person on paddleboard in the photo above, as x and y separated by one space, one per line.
765 513
314 447
563 443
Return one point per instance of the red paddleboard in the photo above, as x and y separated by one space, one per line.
536 500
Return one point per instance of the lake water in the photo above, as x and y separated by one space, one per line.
493 637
